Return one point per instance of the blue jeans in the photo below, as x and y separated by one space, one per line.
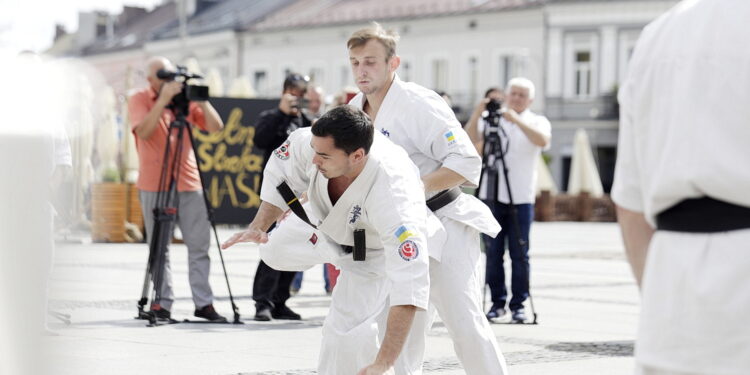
495 249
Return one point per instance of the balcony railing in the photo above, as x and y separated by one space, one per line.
603 107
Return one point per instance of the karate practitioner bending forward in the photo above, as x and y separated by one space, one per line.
356 181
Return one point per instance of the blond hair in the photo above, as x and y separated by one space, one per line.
388 38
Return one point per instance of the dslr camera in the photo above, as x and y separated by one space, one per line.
181 101
493 112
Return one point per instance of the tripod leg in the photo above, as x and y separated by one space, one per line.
522 243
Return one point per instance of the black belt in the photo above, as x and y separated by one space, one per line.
703 215
293 203
442 198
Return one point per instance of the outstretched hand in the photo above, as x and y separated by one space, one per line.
248 235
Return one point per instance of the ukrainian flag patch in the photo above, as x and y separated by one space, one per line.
450 138
402 233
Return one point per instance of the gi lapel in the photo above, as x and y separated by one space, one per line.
336 223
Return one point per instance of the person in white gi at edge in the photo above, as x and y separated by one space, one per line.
681 188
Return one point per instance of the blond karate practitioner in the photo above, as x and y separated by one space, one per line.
374 191
421 122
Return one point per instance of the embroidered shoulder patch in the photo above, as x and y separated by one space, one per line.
408 250
450 138
283 151
402 233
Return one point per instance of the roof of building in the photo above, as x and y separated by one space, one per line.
314 13
225 15
136 32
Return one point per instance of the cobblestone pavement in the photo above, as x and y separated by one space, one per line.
583 293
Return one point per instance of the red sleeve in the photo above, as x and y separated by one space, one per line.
197 117
138 108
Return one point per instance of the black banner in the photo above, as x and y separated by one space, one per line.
230 164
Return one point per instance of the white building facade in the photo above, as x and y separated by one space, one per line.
575 51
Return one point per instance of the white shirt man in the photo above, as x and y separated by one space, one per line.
520 159
522 135
684 139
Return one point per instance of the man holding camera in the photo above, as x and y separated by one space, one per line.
271 287
150 117
524 135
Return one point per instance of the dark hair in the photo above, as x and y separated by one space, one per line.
492 89
350 128
295 80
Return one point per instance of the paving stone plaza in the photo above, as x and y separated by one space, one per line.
586 300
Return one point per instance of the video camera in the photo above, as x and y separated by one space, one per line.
181 101
492 114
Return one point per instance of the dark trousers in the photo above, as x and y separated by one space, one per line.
271 287
495 249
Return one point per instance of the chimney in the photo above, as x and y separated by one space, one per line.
59 31
130 14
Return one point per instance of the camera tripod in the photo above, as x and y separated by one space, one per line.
165 214
492 152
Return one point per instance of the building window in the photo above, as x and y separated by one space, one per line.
344 74
505 71
260 79
473 79
440 75
606 156
509 66
406 71
581 65
627 43
316 76
582 69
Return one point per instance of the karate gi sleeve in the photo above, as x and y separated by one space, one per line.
396 209
439 136
626 189
290 162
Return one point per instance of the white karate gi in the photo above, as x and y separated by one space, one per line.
385 200
420 121
685 133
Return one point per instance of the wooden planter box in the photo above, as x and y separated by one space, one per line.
135 215
582 207
108 212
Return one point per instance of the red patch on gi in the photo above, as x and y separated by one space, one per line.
313 239
283 151
408 250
